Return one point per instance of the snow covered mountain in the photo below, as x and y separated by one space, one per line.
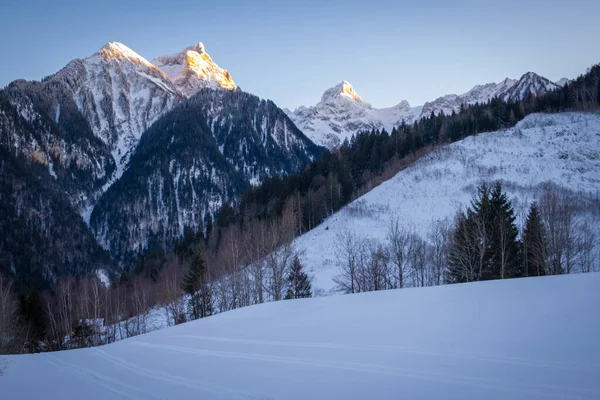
120 94
342 113
478 94
508 89
464 341
562 82
193 69
560 148
529 84
79 128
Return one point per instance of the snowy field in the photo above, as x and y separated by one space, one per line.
533 338
561 148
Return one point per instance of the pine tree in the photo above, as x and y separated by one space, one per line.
484 244
125 275
209 228
194 284
479 223
534 244
504 246
33 311
298 282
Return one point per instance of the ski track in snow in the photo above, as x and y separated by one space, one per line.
460 380
171 379
385 349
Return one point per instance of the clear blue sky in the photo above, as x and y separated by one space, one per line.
291 51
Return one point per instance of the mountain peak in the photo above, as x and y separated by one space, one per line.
198 48
530 75
343 89
529 84
193 69
116 50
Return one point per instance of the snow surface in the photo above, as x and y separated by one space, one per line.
532 338
561 148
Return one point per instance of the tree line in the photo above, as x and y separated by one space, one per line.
483 242
196 280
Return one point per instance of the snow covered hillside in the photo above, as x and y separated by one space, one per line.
342 113
561 148
533 338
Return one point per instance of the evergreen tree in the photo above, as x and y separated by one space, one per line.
209 227
504 246
124 277
484 243
196 285
479 224
298 282
33 311
534 244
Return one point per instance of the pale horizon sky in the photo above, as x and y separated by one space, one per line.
292 51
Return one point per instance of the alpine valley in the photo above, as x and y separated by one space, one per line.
113 150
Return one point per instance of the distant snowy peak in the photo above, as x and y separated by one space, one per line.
342 113
478 94
343 90
562 82
508 89
193 69
118 51
529 84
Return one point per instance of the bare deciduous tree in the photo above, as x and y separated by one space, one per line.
9 320
347 255
438 238
170 294
400 243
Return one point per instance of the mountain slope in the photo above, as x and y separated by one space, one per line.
40 122
41 236
468 341
342 113
198 157
561 148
